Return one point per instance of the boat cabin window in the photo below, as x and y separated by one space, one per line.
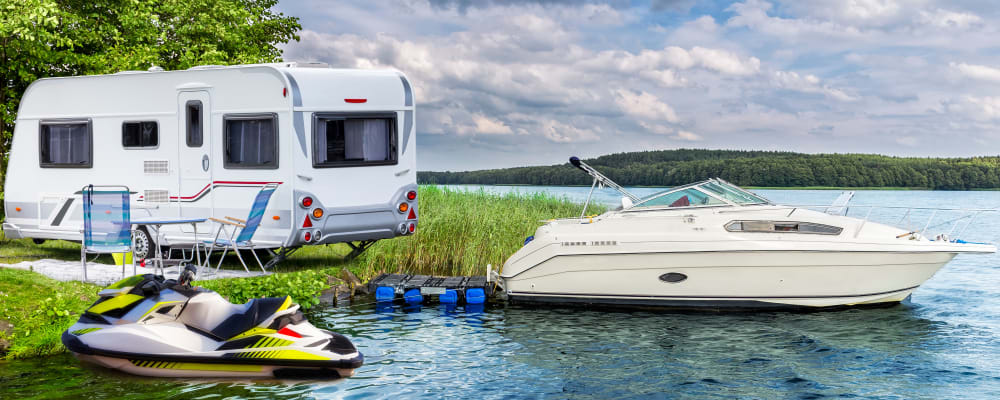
140 134
66 144
682 198
731 193
192 111
783 227
353 140
251 141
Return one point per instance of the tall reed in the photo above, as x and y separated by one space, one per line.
460 232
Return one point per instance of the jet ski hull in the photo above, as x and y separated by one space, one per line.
211 365
148 325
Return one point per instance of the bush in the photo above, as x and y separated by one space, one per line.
303 286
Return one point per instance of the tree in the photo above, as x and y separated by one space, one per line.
44 38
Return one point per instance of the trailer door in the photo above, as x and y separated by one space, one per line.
194 158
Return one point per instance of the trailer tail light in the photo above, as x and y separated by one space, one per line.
307 237
403 207
308 223
411 195
306 201
402 229
413 214
356 101
317 213
284 92
412 227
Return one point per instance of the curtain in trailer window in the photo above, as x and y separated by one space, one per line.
354 138
251 142
376 140
67 144
367 139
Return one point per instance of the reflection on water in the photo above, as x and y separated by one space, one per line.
943 343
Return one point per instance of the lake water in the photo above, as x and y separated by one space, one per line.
943 343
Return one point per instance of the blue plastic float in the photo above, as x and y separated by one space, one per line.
384 293
475 296
413 296
449 297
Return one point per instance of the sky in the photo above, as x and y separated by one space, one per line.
512 83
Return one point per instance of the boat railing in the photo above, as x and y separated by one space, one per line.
968 214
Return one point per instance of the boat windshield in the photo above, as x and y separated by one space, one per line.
712 192
682 198
731 193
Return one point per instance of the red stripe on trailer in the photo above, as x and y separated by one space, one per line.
210 185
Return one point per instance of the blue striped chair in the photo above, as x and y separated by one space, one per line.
107 227
246 228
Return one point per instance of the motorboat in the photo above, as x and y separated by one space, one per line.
148 325
713 244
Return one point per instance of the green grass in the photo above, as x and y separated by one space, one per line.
461 232
40 309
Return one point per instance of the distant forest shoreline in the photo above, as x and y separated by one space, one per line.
760 169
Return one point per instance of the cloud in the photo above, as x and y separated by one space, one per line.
645 105
980 72
807 84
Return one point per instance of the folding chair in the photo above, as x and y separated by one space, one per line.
106 223
246 230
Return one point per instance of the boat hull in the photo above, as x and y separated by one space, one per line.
737 279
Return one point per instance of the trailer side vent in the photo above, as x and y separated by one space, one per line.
156 167
158 196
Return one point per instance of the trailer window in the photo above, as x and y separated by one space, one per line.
354 140
194 123
251 141
65 144
141 134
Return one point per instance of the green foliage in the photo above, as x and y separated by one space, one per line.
40 309
303 286
44 38
751 168
461 232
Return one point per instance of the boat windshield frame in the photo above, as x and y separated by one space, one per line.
754 199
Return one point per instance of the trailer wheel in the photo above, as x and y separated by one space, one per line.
38 241
142 243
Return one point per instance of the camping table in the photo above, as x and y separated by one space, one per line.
158 222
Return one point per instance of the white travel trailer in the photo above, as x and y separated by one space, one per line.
203 141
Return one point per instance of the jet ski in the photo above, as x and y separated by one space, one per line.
148 325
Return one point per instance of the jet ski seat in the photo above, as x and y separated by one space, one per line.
210 313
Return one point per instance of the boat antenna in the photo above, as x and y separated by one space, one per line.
599 178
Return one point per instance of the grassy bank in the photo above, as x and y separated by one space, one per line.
40 309
460 233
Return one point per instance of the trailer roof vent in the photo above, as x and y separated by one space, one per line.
156 167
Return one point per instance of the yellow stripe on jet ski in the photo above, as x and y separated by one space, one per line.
84 331
114 303
288 302
297 355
